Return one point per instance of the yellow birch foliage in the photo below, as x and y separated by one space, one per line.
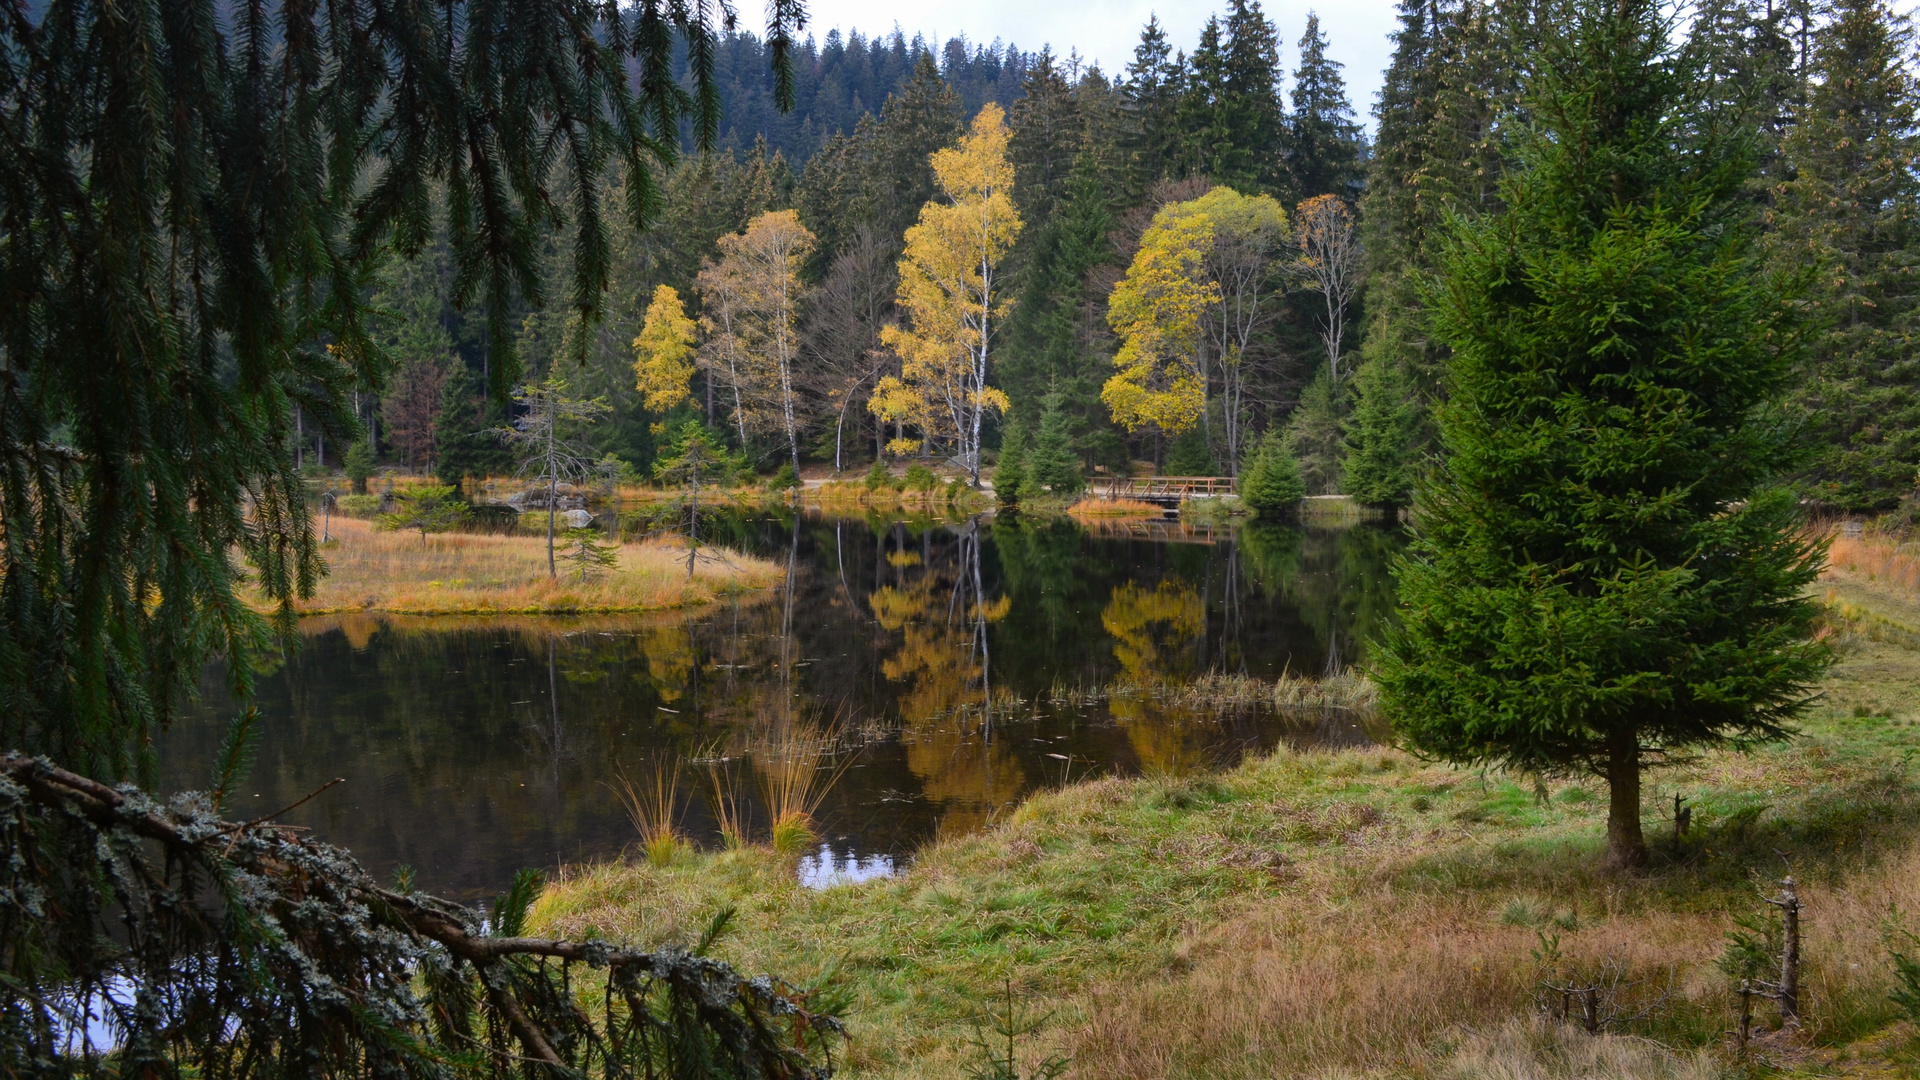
1156 309
663 353
950 293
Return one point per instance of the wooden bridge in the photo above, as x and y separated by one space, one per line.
1167 492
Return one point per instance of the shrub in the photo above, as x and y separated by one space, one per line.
784 479
920 478
879 476
359 465
357 506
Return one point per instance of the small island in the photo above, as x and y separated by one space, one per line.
460 573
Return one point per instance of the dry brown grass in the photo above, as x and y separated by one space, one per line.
1889 559
462 573
1116 508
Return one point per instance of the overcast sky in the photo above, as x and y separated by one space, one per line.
1106 31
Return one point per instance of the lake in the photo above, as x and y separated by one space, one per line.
962 664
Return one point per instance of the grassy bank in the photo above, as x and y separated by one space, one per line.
1357 913
461 573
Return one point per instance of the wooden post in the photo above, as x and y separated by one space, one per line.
1746 1013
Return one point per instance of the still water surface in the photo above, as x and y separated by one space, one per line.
955 656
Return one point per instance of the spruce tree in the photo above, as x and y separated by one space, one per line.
1252 95
1051 464
1378 465
1270 484
465 436
1851 206
1313 433
1324 146
1151 90
1210 145
1604 577
1010 472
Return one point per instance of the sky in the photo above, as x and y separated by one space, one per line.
1105 31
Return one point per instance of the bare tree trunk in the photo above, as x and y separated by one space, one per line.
553 492
1626 847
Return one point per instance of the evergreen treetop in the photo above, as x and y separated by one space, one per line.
1324 145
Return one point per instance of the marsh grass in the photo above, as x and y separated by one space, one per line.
1218 692
728 803
460 573
1891 558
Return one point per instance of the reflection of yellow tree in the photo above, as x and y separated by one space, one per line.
671 655
1154 633
939 658
942 659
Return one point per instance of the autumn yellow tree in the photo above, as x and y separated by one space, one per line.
950 295
753 299
663 353
1198 291
1249 237
1156 309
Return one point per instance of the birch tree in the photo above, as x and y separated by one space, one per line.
1329 262
765 262
1249 237
1156 309
950 294
1199 291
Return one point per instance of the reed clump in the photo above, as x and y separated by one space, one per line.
798 765
653 806
1115 508
464 573
1222 692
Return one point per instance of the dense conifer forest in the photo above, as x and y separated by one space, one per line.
1342 365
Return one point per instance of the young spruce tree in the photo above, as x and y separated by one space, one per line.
1270 484
1604 575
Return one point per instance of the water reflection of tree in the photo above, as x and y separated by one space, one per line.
938 602
1339 580
1156 632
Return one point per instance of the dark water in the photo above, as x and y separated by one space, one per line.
954 655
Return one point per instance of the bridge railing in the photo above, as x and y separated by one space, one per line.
1161 487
